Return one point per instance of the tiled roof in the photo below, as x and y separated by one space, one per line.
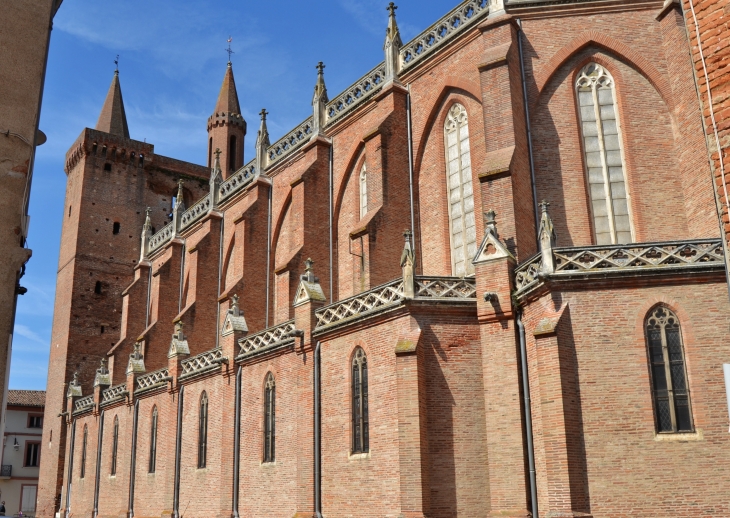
27 398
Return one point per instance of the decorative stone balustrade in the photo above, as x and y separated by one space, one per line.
607 259
202 362
238 181
113 394
153 379
447 28
291 141
270 338
84 403
447 288
162 236
360 90
195 212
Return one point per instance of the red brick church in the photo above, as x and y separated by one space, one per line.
487 279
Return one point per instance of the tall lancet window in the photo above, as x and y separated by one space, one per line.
203 431
360 432
115 444
269 419
363 192
153 441
460 190
604 160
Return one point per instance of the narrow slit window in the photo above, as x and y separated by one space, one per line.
116 227
672 406
210 152
97 288
83 453
269 419
460 191
203 431
604 162
360 423
115 443
363 192
153 441
33 453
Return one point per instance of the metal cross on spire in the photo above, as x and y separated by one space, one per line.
217 153
320 67
116 64
263 114
392 7
230 39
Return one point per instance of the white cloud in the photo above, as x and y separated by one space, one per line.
26 332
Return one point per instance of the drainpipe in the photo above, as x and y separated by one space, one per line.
528 414
529 133
220 274
410 169
237 442
268 254
98 464
331 193
133 463
317 436
70 469
178 441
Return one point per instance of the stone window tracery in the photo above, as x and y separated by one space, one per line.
153 441
363 192
460 191
672 407
203 431
603 154
269 419
115 443
360 422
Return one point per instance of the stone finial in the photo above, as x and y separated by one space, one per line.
496 8
136 360
102 375
180 196
146 236
234 321
490 222
216 178
319 103
74 388
406 263
392 46
179 343
546 236
262 144
309 288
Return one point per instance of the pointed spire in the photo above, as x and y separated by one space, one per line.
546 235
179 208
406 263
228 96
392 46
262 144
146 236
319 102
112 118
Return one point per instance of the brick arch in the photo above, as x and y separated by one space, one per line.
647 305
613 46
227 261
356 155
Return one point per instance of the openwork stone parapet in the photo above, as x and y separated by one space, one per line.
195 212
153 380
83 404
162 236
202 363
113 394
270 339
238 181
353 96
291 141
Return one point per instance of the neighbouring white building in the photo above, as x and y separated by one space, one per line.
21 454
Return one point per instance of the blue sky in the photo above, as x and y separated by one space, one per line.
172 61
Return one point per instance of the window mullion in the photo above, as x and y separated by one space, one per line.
668 374
604 164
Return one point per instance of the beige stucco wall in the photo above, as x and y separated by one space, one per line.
24 36
16 428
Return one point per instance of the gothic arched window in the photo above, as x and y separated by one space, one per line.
203 431
115 443
83 452
672 408
269 419
604 160
363 192
360 433
460 191
153 441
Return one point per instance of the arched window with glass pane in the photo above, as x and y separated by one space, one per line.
83 452
601 130
153 441
360 433
672 407
203 430
363 192
115 444
269 419
460 191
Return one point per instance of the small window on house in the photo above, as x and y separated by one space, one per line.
601 130
203 431
97 288
115 228
107 167
153 441
33 454
363 192
460 191
83 453
35 421
269 419
672 407
232 154
360 432
115 443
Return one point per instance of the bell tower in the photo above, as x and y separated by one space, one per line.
227 127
